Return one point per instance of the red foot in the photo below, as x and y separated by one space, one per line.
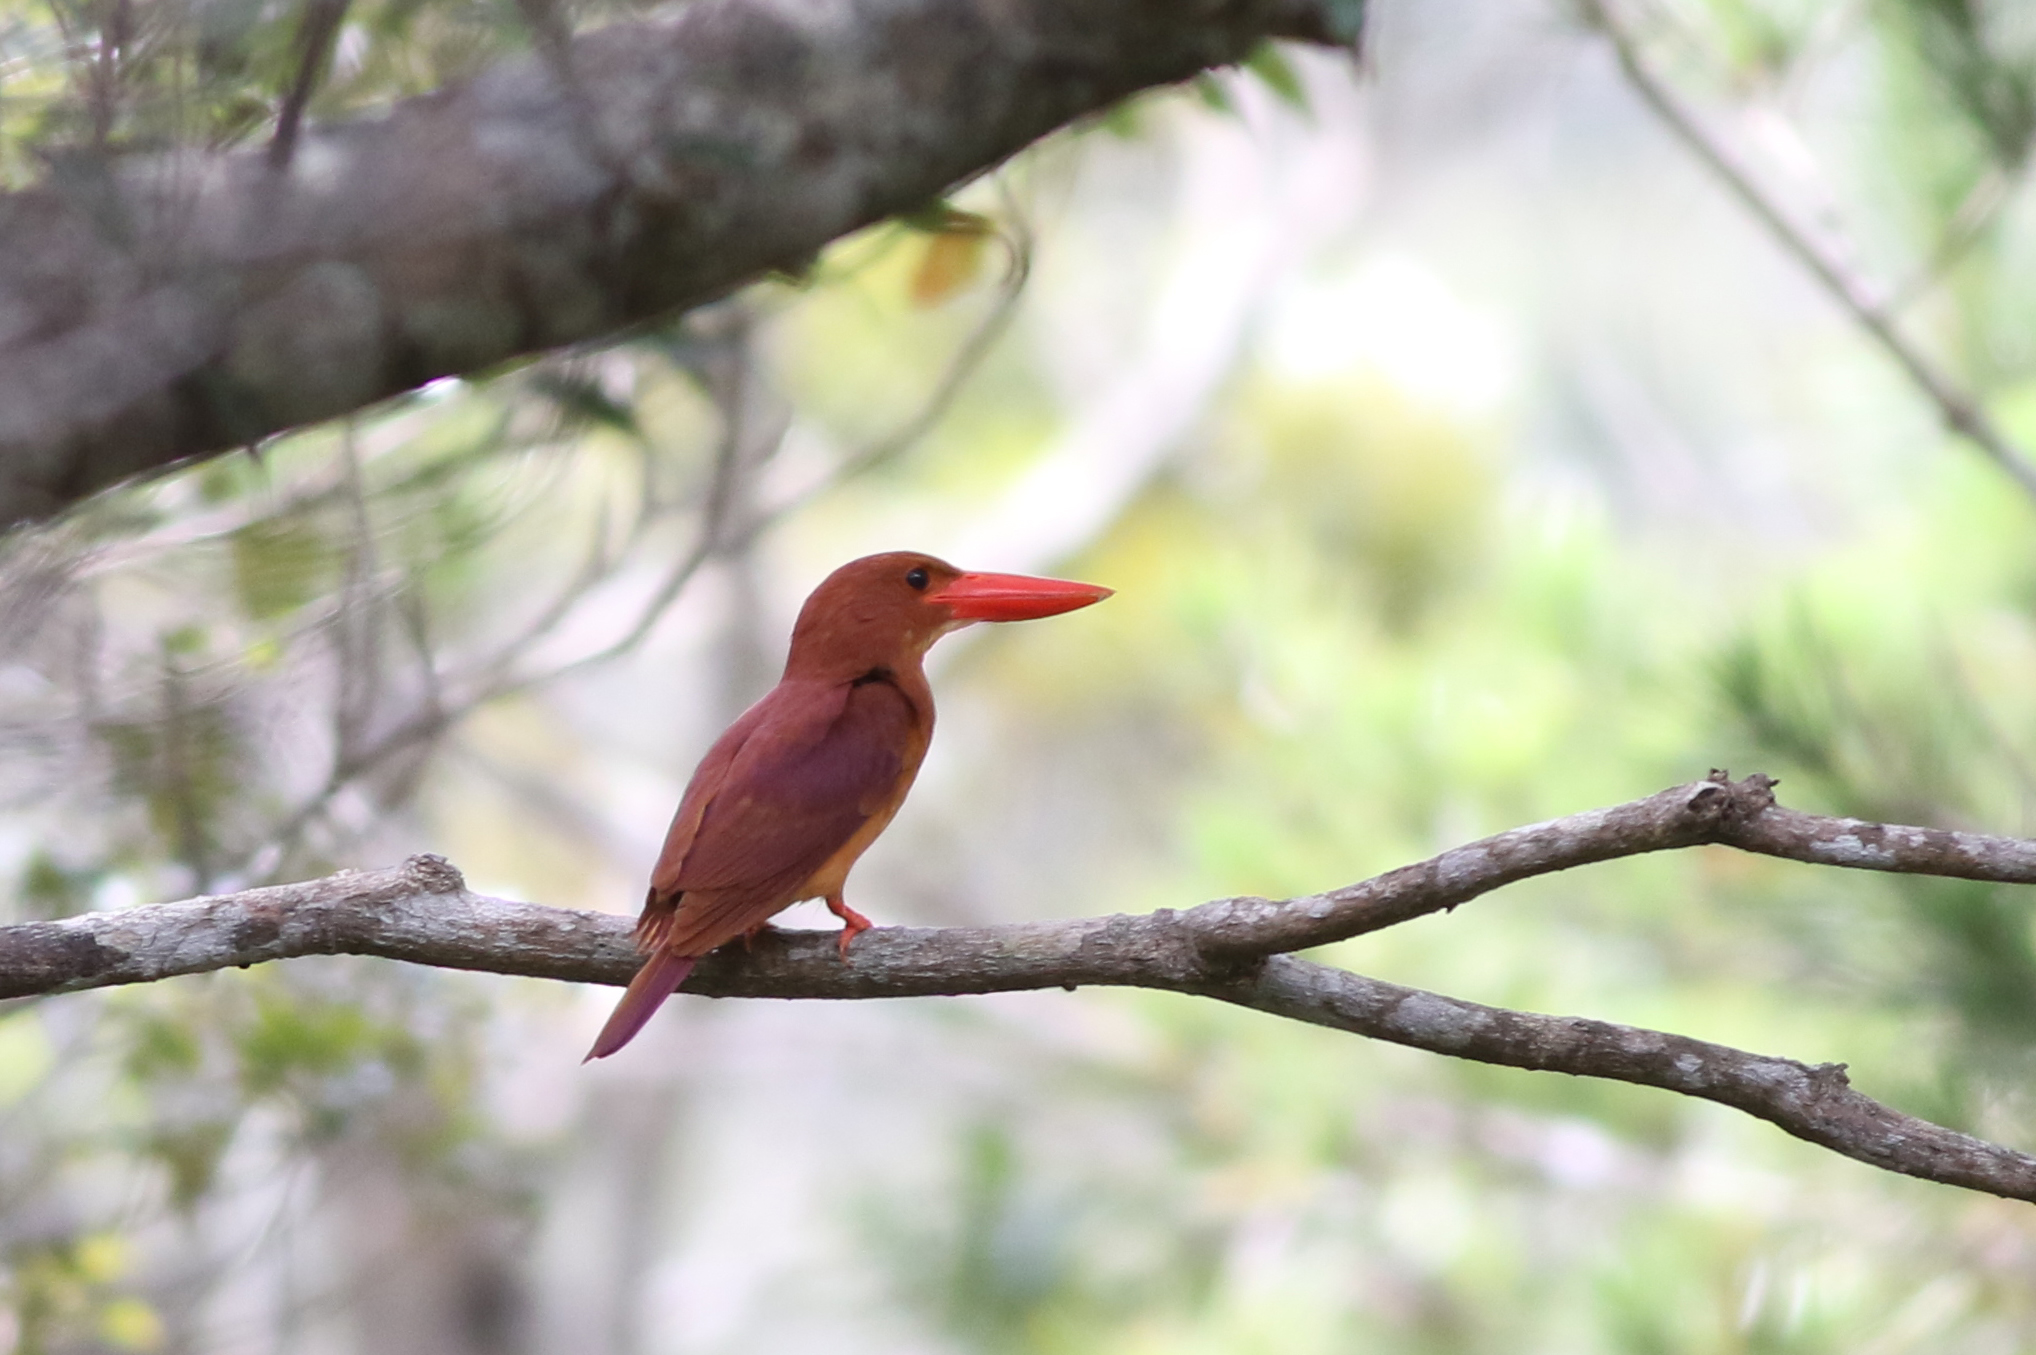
853 924
749 937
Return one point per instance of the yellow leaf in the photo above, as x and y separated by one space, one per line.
101 1257
950 263
130 1324
25 1056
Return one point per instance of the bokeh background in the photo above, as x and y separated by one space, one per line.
1464 454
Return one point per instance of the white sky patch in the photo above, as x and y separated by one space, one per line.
1394 316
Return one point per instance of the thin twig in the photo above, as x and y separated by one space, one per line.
315 35
357 624
1959 408
115 31
421 912
179 739
1975 215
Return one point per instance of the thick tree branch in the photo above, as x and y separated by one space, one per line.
422 912
166 307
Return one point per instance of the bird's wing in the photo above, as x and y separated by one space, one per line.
803 770
661 903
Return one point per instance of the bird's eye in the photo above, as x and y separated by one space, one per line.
919 578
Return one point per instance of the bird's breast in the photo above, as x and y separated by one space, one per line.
833 872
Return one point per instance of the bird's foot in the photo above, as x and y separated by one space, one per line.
853 924
749 937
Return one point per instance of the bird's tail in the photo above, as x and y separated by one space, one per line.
653 983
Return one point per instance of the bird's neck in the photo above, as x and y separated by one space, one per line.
905 672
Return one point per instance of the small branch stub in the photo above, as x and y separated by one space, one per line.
434 874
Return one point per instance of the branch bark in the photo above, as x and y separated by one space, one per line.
1229 949
168 307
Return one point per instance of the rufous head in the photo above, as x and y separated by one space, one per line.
885 610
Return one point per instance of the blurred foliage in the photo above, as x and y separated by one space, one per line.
127 76
1354 624
247 669
1983 58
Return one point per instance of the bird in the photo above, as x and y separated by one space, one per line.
795 790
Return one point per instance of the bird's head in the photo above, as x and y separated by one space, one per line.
885 610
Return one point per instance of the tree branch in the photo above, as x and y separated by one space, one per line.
422 912
1740 814
161 308
1813 1102
1961 411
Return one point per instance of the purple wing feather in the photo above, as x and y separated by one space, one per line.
799 787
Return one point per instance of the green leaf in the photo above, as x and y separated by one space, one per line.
582 401
290 1037
1122 120
162 1046
1269 64
190 1154
1214 95
941 217
51 890
278 566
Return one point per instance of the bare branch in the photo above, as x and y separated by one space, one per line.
1961 411
1813 1102
422 912
1739 814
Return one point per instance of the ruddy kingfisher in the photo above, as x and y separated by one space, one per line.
802 783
